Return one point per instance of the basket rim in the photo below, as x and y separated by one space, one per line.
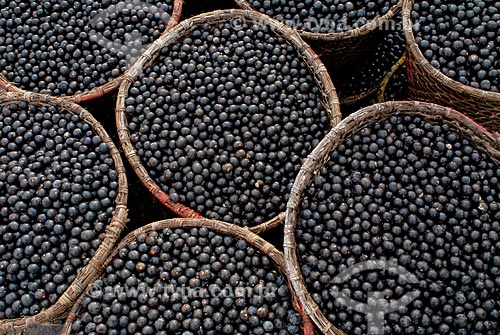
108 87
118 221
323 81
377 90
320 155
416 55
382 87
365 29
216 226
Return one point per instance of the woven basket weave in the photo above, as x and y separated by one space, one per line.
216 226
339 51
429 84
88 273
322 80
321 154
110 86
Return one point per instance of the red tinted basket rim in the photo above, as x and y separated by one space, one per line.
111 85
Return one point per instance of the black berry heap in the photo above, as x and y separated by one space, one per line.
461 39
68 47
223 120
418 195
57 190
397 87
370 74
330 16
191 281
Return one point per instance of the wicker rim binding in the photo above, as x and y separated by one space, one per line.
86 274
358 97
111 85
381 89
322 79
217 226
320 155
456 92
365 29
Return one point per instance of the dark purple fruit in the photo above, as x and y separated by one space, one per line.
202 283
223 120
52 165
411 193
330 16
69 47
461 39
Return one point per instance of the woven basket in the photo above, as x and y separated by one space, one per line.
111 85
216 226
342 50
329 97
88 273
429 84
321 154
